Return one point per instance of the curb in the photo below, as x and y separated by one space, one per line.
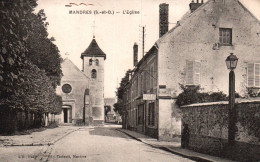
57 139
129 135
195 158
42 144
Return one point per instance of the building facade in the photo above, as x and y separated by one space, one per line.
83 91
193 53
72 90
93 67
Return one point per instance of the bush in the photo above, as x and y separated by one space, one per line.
192 95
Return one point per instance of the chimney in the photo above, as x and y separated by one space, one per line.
163 18
135 54
194 6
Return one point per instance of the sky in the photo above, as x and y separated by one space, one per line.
115 33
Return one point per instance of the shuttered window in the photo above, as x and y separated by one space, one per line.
253 74
193 72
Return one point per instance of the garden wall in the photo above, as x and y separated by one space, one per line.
208 129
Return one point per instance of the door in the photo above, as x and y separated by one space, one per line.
65 114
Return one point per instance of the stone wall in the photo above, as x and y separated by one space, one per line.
208 129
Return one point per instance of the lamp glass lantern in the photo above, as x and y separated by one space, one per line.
231 61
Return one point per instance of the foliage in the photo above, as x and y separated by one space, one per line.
41 50
25 84
107 109
192 95
13 33
253 92
118 107
123 83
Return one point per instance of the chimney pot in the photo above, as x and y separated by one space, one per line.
194 6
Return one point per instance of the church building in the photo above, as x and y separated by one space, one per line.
82 91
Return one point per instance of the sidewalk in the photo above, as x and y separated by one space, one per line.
45 137
173 147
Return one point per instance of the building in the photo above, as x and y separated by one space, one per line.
72 90
83 91
192 53
93 67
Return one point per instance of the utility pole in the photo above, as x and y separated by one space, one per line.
143 39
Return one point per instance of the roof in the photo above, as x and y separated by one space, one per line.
188 15
68 64
93 50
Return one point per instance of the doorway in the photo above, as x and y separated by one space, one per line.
67 113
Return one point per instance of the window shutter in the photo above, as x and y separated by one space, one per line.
257 75
189 74
250 74
196 72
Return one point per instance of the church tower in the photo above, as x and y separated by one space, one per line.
93 66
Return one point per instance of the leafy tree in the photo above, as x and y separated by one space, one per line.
41 50
107 109
118 107
13 32
26 85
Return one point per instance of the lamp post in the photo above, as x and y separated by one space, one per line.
231 63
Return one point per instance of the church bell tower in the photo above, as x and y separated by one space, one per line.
93 67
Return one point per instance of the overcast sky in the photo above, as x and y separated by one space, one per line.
116 33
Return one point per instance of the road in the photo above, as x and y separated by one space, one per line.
98 144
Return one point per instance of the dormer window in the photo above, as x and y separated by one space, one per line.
94 74
90 61
97 62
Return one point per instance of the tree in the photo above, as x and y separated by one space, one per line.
118 107
107 109
41 49
13 33
25 84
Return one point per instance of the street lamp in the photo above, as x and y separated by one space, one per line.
231 63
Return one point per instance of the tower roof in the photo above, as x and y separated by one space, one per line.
93 50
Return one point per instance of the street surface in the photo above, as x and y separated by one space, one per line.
98 144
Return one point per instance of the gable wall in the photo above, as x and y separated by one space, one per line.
194 40
79 82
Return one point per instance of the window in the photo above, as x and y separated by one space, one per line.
140 114
90 61
97 62
225 36
253 74
152 77
192 72
66 88
94 73
151 114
